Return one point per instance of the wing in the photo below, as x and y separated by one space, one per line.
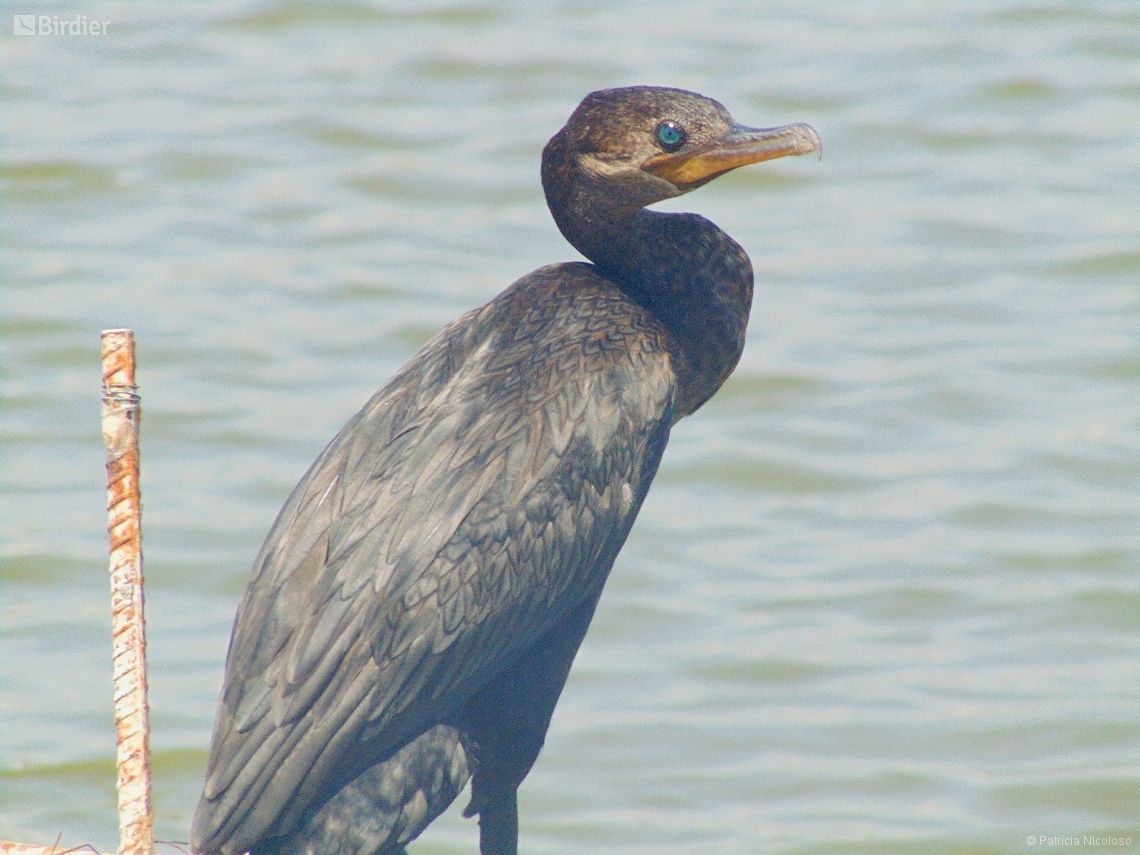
391 803
477 497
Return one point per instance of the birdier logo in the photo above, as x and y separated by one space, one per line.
53 25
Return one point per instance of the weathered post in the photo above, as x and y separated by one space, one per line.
128 628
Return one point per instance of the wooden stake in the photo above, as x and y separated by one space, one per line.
128 628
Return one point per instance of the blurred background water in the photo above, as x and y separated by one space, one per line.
883 597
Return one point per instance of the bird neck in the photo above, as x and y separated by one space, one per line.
686 271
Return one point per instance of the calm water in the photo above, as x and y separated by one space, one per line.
884 596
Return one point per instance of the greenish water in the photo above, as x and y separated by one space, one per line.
884 596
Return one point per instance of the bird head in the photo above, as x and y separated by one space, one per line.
652 143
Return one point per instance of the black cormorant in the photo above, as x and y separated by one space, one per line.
412 617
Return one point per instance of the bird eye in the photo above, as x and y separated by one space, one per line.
670 135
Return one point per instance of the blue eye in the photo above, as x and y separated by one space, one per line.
670 135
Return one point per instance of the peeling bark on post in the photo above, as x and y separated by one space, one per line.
128 629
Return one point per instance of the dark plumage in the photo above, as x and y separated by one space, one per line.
413 614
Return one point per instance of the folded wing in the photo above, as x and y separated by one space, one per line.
476 499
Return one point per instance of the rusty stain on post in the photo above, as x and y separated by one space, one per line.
128 629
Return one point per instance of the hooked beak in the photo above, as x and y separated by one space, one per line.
739 147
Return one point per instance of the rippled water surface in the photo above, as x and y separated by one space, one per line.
883 597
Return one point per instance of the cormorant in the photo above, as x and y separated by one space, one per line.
413 614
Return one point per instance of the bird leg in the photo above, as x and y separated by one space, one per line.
503 727
499 825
